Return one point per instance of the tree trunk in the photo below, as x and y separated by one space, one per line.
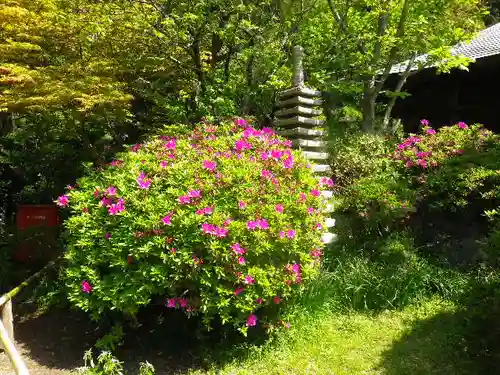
368 108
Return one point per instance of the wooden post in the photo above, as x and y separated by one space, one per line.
13 355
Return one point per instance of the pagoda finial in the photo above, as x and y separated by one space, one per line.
298 72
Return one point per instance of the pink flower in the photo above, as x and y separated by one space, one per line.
302 197
424 122
462 125
422 163
171 144
276 154
210 165
105 202
163 164
238 291
241 204
264 155
111 191
310 210
135 147
249 280
194 194
116 163
184 199
268 131
277 300
266 174
315 193
252 320
326 181
221 232
262 224
319 226
241 261
259 301
183 302
295 268
227 222
282 234
172 303
316 253
204 211
86 287
252 225
430 131
240 122
242 144
116 208
208 228
409 164
279 208
291 234
288 162
167 220
238 249
63 201
107 236
143 181
173 250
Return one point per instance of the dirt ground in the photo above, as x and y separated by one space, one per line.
54 343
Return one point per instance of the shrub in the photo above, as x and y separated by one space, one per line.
439 183
225 221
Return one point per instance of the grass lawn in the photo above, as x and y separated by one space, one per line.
417 341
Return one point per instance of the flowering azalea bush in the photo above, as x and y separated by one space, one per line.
224 221
429 174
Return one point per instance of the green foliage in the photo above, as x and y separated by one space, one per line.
217 222
107 364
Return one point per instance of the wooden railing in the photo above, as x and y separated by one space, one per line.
7 323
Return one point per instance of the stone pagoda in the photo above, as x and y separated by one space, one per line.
297 119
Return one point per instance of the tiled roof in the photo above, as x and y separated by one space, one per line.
486 43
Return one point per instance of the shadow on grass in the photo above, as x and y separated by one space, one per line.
466 341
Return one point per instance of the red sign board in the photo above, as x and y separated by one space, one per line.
32 216
29 216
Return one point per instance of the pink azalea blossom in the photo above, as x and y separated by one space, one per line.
116 163
204 211
259 301
116 208
262 224
238 249
291 234
171 144
143 181
268 131
302 197
430 131
242 145
164 164
252 320
282 234
310 210
264 155
63 201
462 125
210 165
183 302
86 287
227 222
295 268
194 194
173 250
277 300
266 174
319 226
276 154
249 280
105 202
241 261
424 122
315 193
184 199
238 291
221 232
135 147
167 220
240 122
279 208
241 204
316 253
252 225
288 162
107 236
111 191
326 181
172 303
208 228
